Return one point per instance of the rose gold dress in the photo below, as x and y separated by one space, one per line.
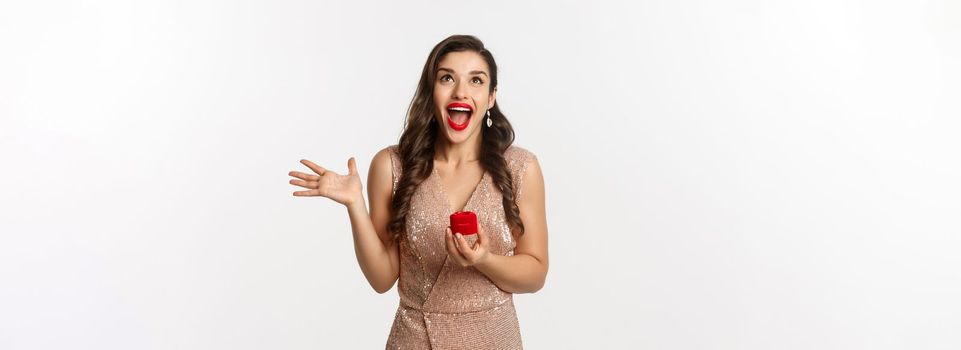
444 305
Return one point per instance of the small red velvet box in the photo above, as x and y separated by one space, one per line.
463 222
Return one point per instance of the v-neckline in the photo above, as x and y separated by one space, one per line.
446 194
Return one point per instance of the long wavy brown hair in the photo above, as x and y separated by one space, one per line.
416 146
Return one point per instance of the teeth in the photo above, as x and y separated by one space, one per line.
460 109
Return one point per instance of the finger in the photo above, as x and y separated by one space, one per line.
481 235
460 260
305 184
449 242
306 193
304 176
462 245
470 247
469 252
316 168
452 249
352 166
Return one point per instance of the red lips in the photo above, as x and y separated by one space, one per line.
459 105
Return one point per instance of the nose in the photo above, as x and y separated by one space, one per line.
460 91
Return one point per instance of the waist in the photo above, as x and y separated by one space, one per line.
455 307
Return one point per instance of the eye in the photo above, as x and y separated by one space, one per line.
477 80
446 77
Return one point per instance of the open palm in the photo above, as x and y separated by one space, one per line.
343 189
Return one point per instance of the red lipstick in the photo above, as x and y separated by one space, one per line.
459 107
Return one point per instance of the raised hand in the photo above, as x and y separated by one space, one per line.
343 189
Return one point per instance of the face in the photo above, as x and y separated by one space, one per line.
462 95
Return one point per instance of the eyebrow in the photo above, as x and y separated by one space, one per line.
473 72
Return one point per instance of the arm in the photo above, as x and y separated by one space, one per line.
376 252
526 270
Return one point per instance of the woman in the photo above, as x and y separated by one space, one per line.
455 154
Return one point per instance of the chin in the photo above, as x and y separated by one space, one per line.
460 137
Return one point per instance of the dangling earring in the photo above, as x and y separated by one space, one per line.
489 121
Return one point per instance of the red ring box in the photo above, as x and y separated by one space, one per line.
463 222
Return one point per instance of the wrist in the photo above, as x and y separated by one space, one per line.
485 261
357 204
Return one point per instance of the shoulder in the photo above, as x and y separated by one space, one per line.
518 158
524 168
391 149
384 155
382 163
517 150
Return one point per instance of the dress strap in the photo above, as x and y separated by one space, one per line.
518 159
395 166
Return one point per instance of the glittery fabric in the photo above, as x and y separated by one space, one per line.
444 305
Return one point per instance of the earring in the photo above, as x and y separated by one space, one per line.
489 121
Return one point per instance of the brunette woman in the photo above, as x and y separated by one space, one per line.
455 154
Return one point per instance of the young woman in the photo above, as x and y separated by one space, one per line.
455 154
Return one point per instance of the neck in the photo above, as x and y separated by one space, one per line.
467 151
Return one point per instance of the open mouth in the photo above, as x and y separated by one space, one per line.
459 115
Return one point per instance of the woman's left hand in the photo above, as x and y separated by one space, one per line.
461 251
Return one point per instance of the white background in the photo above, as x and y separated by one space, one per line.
719 175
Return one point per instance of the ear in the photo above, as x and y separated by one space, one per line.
493 97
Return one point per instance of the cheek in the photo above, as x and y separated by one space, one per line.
481 94
439 97
482 100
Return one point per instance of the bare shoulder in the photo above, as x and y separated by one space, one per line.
385 152
379 176
380 192
382 160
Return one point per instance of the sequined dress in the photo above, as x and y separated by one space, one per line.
444 305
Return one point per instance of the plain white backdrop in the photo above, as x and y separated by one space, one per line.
719 175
